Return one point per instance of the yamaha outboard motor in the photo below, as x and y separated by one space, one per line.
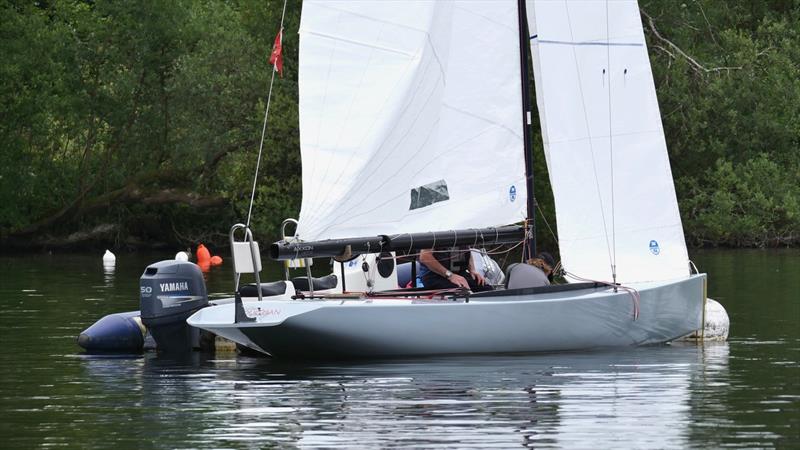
170 292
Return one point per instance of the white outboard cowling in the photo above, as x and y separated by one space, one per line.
170 292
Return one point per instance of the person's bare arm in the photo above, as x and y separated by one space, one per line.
426 257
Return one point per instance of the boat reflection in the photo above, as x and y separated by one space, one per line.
637 397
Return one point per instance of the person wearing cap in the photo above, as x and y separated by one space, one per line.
537 272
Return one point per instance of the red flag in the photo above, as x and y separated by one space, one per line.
276 58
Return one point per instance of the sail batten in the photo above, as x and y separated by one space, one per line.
593 43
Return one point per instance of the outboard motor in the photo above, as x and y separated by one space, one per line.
170 292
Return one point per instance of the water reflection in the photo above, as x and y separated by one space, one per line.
108 273
644 396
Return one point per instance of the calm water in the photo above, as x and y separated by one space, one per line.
744 393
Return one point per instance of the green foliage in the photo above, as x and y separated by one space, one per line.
749 204
131 112
148 115
732 125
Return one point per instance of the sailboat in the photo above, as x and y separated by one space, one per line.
414 132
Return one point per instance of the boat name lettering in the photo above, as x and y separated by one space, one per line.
262 312
177 286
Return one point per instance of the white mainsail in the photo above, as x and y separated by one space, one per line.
410 117
606 153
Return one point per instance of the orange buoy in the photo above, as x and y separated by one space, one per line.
203 255
216 260
205 266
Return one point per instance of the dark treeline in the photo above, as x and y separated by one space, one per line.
137 123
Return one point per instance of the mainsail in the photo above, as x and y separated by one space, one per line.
604 142
410 117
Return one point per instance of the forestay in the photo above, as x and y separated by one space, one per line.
604 142
410 117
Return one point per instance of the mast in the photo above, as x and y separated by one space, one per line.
524 40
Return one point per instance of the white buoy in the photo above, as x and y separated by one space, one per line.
717 324
109 257
181 256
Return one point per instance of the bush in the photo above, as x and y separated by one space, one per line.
748 204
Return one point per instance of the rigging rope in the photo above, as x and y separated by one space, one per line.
611 155
635 296
264 128
541 213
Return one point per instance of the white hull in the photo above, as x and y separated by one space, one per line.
498 323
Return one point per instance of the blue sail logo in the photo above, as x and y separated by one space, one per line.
512 193
654 248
